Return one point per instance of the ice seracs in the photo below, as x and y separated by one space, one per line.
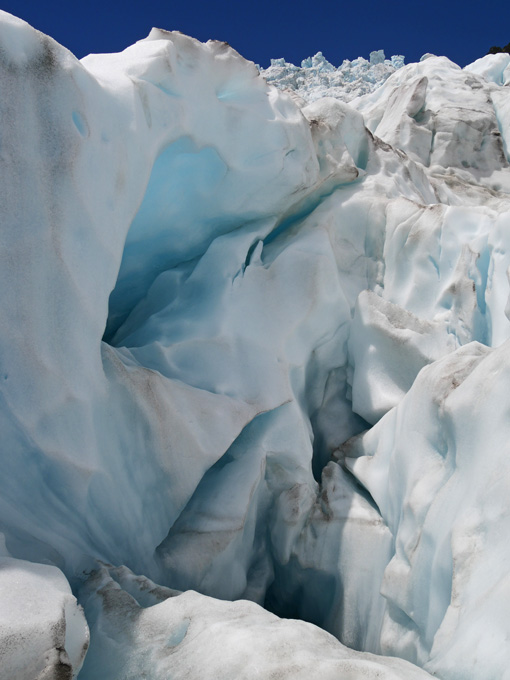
255 346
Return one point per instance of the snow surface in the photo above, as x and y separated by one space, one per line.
255 345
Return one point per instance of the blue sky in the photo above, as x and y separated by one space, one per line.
462 31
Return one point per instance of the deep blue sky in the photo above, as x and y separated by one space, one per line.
462 31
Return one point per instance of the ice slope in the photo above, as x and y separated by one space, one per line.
232 324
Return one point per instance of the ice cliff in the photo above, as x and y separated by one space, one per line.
254 365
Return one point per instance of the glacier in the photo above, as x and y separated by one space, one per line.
317 77
254 355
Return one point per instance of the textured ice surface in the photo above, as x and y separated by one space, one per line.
440 115
388 347
442 488
43 632
256 347
190 635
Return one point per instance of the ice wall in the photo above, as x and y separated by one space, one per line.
255 347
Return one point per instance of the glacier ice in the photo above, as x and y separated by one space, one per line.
192 635
317 77
442 489
254 347
43 631
494 68
388 346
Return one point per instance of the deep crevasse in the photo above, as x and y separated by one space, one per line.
254 422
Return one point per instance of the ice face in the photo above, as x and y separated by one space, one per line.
255 346
447 512
447 120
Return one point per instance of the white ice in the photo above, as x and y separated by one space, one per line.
43 631
254 344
